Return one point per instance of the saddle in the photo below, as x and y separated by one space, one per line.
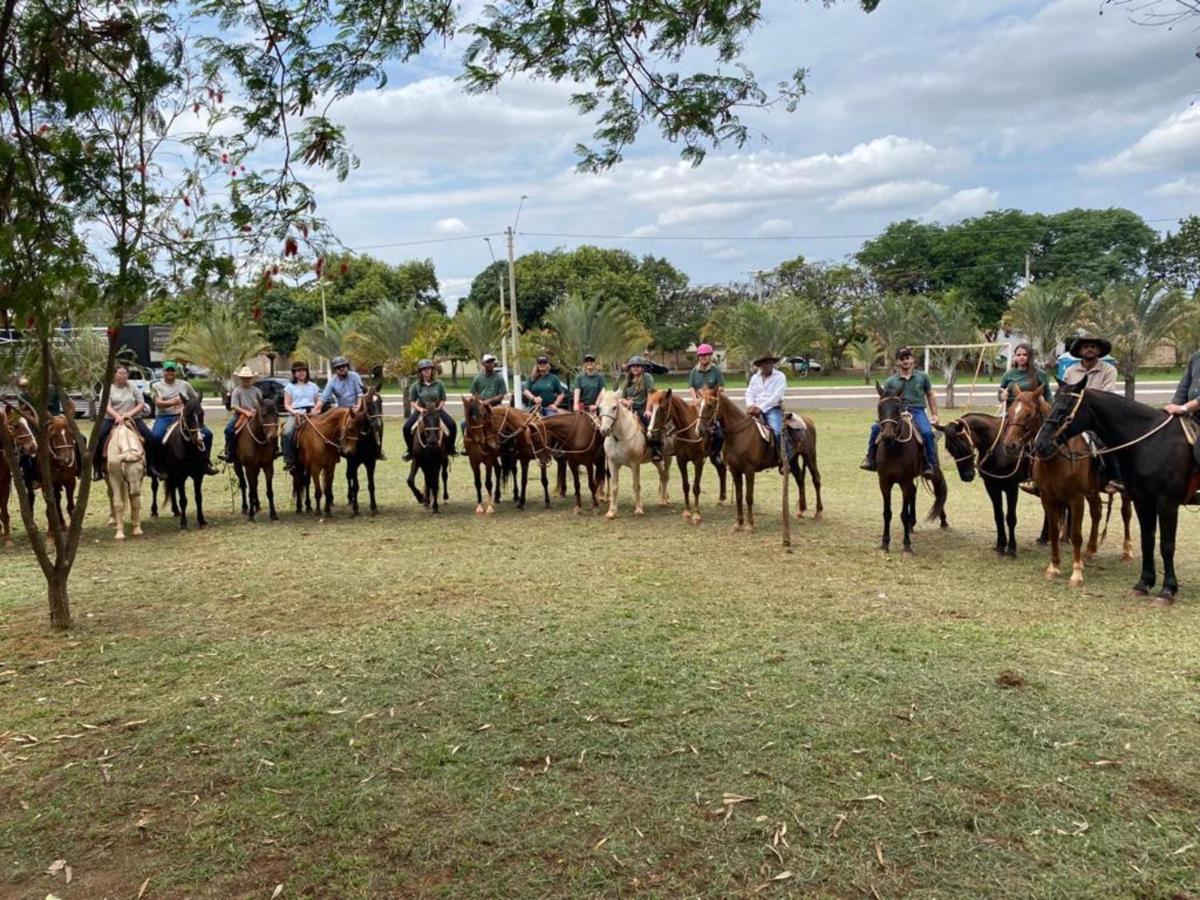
764 430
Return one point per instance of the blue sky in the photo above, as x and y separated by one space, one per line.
934 109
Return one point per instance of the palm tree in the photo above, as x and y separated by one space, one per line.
1139 316
951 321
478 328
897 320
325 341
1185 336
1046 314
394 336
782 325
575 326
866 352
222 341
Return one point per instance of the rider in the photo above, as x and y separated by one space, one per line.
345 389
588 385
635 391
1024 375
299 399
545 390
915 390
169 396
427 394
706 375
1096 375
25 398
488 385
245 400
125 405
764 397
1187 401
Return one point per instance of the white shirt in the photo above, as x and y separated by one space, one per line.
766 393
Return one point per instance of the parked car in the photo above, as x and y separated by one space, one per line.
803 364
657 369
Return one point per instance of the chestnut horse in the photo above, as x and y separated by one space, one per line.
66 462
1067 478
672 416
520 444
253 454
745 452
481 437
802 460
574 439
19 432
321 440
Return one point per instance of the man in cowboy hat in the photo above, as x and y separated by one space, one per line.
169 397
764 398
916 391
489 385
1091 369
345 389
707 375
244 400
545 390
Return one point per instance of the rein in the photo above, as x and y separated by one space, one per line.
1137 440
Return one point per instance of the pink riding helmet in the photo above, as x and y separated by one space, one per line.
704 350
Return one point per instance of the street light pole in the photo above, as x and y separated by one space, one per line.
518 400
500 282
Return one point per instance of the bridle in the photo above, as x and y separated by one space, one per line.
977 458
30 434
66 461
1069 419
900 423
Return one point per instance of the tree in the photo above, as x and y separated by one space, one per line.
781 326
1185 336
283 313
1090 248
325 341
951 321
837 295
896 321
578 325
1046 314
358 283
1175 259
478 328
222 342
865 352
1140 315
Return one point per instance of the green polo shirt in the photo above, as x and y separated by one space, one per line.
485 386
706 378
1024 382
547 387
912 389
638 390
428 395
589 387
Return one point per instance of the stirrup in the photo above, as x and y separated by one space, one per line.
868 464
407 457
1030 487
1113 487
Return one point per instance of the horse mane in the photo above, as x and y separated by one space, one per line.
1122 406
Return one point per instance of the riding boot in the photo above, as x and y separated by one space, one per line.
868 463
226 455
407 445
1030 487
98 467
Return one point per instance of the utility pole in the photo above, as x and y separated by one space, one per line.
518 401
1028 271
500 282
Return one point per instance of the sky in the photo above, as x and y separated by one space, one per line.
928 109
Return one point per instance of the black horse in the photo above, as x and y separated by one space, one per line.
1159 466
899 459
367 452
431 447
974 444
183 456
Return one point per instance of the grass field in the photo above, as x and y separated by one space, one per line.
545 705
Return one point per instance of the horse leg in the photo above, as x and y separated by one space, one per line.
560 484
722 472
664 481
1126 515
112 502
252 490
178 494
241 477
478 487
135 504
153 497
908 515
352 486
412 483
638 509
198 490
1147 513
369 465
1053 523
994 494
524 483
269 477
431 481
750 526
575 483
327 479
737 490
796 470
614 487
1013 493
1093 505
492 494
687 488
116 502
1077 537
545 483
5 522
1168 518
445 472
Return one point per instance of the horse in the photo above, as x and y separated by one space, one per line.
366 452
626 444
900 459
1160 468
746 449
322 440
431 446
18 430
671 416
973 442
481 437
574 439
254 453
124 470
183 457
520 444
1066 478
802 460
66 462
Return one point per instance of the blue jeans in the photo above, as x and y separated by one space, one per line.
229 428
920 421
774 418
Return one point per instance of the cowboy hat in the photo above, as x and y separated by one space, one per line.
243 372
636 361
338 361
298 365
766 358
1077 344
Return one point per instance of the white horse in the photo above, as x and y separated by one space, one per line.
126 469
625 445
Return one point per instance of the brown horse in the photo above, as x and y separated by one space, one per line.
430 452
746 450
899 459
803 460
66 462
321 441
672 416
481 437
1066 479
254 453
18 432
574 440
520 445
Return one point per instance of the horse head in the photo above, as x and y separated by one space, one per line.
373 405
191 424
608 406
1025 416
710 404
1067 418
480 426
268 415
353 422
61 443
960 444
21 431
658 409
889 413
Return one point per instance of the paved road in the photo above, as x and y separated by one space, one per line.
829 397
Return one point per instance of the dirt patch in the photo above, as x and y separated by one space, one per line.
1010 679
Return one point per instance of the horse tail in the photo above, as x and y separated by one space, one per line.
940 492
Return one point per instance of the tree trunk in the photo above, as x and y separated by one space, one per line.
1130 388
404 394
60 601
951 375
866 374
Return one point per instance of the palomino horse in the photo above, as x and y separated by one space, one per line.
974 444
124 470
254 454
481 438
431 448
15 430
1066 479
366 452
1160 466
183 457
625 444
900 459
746 451
673 417
574 439
321 441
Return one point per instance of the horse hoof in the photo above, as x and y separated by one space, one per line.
1076 580
734 529
800 516
696 519
111 523
907 553
1011 552
1052 572
885 548
479 509
1141 590
1165 598
577 510
119 536
137 532
639 512
610 515
817 515
490 511
686 515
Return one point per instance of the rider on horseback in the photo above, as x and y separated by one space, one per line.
1096 375
588 385
427 394
1186 402
244 401
706 375
545 390
169 395
635 391
915 390
345 388
299 399
764 399
488 385
125 405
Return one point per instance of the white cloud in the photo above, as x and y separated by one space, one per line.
963 204
775 228
1180 187
1173 145
891 195
450 226
723 251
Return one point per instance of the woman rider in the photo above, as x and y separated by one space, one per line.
705 375
125 404
635 390
588 385
545 390
1024 375
426 395
244 401
299 398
